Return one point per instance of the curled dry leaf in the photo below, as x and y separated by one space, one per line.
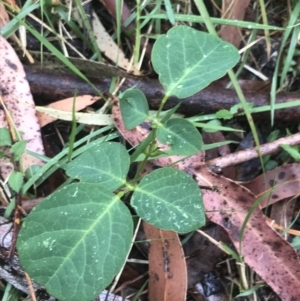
228 205
16 99
167 266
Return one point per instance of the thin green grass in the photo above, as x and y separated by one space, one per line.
10 293
212 127
119 8
137 34
265 22
140 291
287 33
293 222
12 26
170 12
249 214
64 15
73 129
142 7
288 61
216 21
89 29
250 291
58 54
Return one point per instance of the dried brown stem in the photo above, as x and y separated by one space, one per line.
251 153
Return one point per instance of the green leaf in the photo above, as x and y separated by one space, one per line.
206 147
32 170
17 149
169 199
5 139
273 135
294 153
250 291
216 21
142 147
230 251
238 108
212 126
224 114
169 113
107 164
270 164
188 60
182 137
15 180
296 243
134 108
169 11
75 241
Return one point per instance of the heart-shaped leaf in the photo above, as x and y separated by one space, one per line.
188 60
182 137
76 241
169 199
107 164
134 108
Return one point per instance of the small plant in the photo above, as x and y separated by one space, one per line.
14 150
84 230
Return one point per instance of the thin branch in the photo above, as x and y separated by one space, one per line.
251 153
51 85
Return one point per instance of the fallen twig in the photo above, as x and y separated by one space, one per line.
251 153
50 86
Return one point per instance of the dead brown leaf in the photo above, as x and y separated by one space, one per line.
281 183
266 252
167 266
234 10
18 105
82 102
279 187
